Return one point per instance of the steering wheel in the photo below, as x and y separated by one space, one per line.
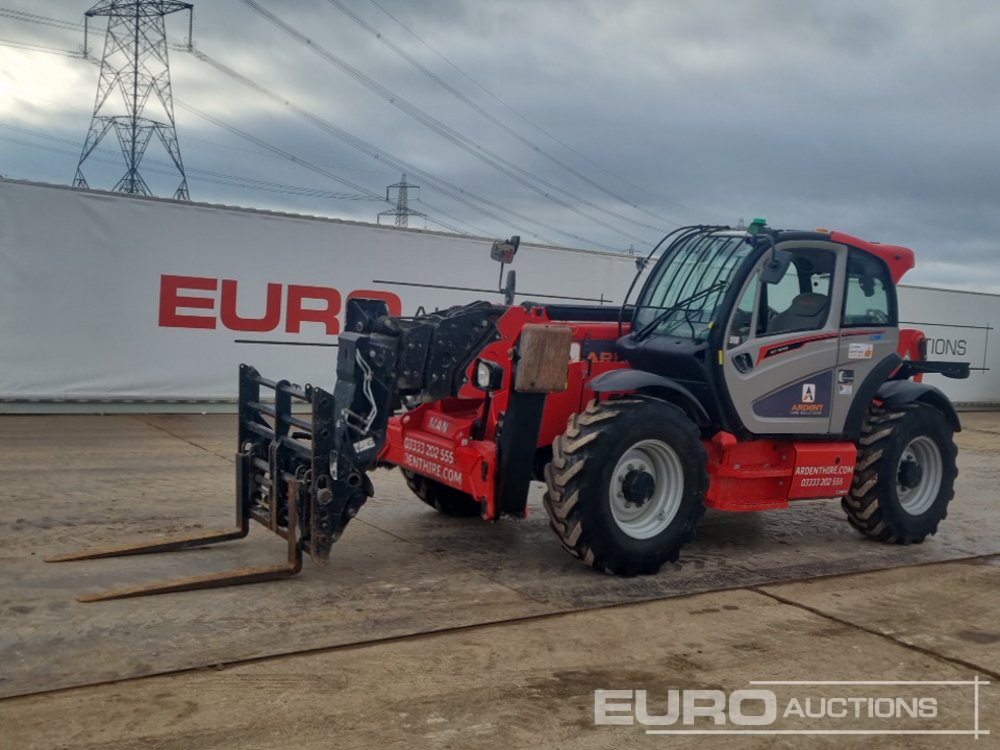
877 316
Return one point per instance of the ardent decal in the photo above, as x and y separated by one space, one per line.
808 397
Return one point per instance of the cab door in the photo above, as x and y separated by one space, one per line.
782 343
869 336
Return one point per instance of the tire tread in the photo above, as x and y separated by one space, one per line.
567 473
866 505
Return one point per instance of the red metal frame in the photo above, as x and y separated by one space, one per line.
911 346
766 474
453 441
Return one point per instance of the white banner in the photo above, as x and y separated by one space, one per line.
958 326
110 297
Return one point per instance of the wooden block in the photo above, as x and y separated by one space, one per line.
543 362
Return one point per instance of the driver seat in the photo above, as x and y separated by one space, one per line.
807 312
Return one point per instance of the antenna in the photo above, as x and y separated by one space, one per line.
135 64
402 210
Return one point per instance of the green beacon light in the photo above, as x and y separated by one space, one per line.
756 225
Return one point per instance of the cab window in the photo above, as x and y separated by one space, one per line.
867 297
739 329
800 301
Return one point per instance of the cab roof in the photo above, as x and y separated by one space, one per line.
899 259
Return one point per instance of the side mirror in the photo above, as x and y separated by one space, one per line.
775 267
504 251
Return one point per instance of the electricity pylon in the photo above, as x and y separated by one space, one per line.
402 211
135 63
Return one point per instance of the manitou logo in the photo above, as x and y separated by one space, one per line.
293 304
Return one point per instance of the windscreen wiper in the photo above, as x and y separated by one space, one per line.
652 325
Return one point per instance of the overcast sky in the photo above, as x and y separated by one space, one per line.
881 119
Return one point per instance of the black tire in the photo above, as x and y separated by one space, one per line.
891 500
599 526
441 497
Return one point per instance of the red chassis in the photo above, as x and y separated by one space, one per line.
454 440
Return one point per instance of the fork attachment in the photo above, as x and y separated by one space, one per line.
305 477
302 477
325 460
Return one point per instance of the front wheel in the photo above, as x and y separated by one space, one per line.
626 484
905 474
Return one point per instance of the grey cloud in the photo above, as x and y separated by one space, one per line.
878 119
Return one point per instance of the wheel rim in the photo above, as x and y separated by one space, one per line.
647 517
918 475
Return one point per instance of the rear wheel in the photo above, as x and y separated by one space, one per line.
441 497
905 474
626 484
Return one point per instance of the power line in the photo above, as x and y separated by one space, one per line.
39 48
443 186
20 15
202 175
271 148
267 150
71 25
224 179
437 211
207 176
277 152
454 192
188 137
500 124
258 152
528 120
519 175
456 230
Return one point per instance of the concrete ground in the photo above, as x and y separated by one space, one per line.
432 632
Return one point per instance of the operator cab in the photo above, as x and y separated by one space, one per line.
772 332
